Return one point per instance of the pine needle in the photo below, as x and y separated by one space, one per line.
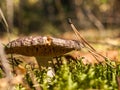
5 24
86 45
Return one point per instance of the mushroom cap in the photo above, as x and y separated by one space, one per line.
41 46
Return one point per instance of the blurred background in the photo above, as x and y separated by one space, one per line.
98 21
50 16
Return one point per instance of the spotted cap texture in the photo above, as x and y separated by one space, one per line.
41 46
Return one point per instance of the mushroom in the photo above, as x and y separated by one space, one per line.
42 48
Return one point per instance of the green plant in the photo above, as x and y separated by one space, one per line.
77 76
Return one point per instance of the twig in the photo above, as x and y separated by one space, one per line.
93 18
4 62
6 67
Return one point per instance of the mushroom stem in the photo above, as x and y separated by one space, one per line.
46 63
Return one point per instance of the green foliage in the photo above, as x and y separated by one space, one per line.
77 76
19 87
1 73
103 1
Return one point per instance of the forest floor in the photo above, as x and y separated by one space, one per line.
106 43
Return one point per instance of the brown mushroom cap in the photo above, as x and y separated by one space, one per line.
41 46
